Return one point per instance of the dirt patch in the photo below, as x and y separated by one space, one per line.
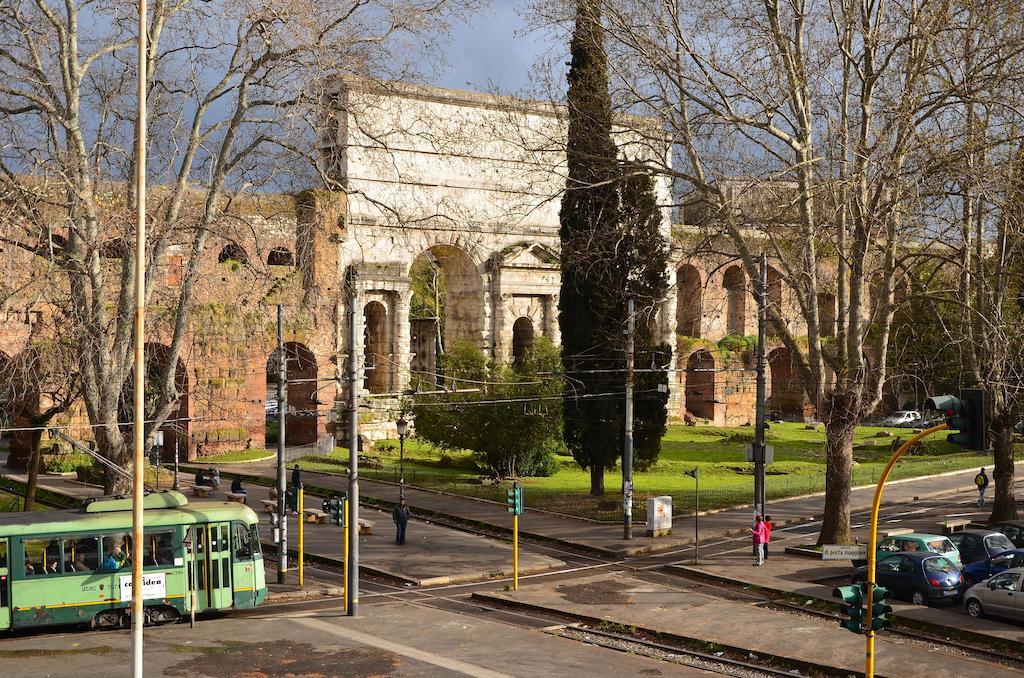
604 592
48 652
285 659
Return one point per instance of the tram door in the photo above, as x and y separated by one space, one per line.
5 587
218 564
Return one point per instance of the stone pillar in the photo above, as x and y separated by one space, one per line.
400 331
490 287
551 329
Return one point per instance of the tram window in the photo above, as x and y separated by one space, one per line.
42 557
81 554
159 548
3 553
255 539
117 552
243 549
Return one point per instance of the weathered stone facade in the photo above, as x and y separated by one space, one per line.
472 182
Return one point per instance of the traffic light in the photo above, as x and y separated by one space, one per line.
966 416
881 612
514 498
853 602
333 509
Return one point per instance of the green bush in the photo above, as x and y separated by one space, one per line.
65 463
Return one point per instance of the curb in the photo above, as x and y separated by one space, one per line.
323 591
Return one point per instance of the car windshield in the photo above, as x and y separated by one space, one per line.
998 542
941 546
938 564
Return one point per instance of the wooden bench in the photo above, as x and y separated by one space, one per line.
314 515
269 505
201 490
236 496
950 525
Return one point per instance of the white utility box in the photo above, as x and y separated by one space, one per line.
659 516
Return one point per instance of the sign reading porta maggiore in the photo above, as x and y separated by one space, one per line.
844 552
153 586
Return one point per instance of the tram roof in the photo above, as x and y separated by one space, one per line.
78 520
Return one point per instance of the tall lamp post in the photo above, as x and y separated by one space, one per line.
403 427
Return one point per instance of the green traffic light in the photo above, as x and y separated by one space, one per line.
853 602
880 610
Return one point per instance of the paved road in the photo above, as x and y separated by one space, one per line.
394 639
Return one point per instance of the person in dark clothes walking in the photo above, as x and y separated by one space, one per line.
401 515
981 481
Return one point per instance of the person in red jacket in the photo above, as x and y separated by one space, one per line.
767 534
759 539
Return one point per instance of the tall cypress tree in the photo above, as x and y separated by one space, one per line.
611 248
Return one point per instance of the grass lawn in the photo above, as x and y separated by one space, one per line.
10 503
725 478
252 454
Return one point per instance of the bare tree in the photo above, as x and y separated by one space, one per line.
235 93
802 130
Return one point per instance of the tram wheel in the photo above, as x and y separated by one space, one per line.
161 615
108 619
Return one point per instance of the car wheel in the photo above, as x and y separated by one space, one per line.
918 598
974 608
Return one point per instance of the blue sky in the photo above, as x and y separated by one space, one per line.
492 48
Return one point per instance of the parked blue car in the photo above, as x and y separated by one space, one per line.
983 569
919 577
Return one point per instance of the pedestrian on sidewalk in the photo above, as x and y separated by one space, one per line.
981 480
767 534
759 539
401 515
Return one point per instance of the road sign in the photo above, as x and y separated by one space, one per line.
844 552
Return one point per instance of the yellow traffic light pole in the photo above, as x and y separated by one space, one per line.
302 520
344 549
515 552
869 668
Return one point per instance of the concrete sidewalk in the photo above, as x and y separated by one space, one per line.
432 554
744 626
606 538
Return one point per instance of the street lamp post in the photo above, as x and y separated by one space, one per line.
403 427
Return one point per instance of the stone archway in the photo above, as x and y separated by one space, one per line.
787 395
448 306
735 283
376 348
700 384
522 339
773 295
689 301
300 394
826 314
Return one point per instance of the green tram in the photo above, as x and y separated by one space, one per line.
74 567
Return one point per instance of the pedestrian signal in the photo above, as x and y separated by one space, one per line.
881 612
853 606
514 498
333 509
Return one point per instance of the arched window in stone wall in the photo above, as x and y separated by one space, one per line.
735 283
232 253
375 347
826 314
787 394
301 394
522 339
688 301
280 256
700 384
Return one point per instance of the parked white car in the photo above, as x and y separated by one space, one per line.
902 418
999 596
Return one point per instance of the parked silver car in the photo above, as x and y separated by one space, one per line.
999 596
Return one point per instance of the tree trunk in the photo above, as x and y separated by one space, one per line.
35 461
1003 505
840 422
113 446
596 480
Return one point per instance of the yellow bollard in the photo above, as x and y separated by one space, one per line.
515 552
344 550
302 531
869 666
